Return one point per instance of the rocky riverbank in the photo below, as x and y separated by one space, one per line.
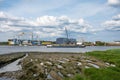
55 66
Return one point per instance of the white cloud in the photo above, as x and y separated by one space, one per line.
47 21
113 24
6 28
12 23
2 15
117 17
61 22
114 2
47 26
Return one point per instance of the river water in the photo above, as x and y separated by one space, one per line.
10 49
12 66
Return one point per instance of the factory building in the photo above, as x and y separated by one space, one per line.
65 41
23 42
61 40
14 41
72 41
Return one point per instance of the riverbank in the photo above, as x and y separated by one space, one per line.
96 65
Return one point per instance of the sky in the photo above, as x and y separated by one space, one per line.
91 20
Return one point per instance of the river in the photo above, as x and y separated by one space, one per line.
10 49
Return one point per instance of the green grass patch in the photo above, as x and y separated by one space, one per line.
111 56
102 74
108 73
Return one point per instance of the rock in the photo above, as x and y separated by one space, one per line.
88 61
55 76
49 77
107 63
50 59
61 61
49 63
34 75
87 67
69 75
60 74
59 67
66 59
113 65
79 63
94 65
31 60
41 64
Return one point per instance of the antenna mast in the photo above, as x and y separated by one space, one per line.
66 32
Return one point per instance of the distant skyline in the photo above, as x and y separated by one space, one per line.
92 20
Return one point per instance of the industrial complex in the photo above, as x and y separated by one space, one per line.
21 39
38 42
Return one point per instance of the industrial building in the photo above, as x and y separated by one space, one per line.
23 42
65 41
14 41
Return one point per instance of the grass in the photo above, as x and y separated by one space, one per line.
102 74
109 73
111 56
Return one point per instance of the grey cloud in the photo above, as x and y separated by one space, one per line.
114 3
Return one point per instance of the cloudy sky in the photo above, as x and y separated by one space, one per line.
89 19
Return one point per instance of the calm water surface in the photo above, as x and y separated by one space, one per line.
9 49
